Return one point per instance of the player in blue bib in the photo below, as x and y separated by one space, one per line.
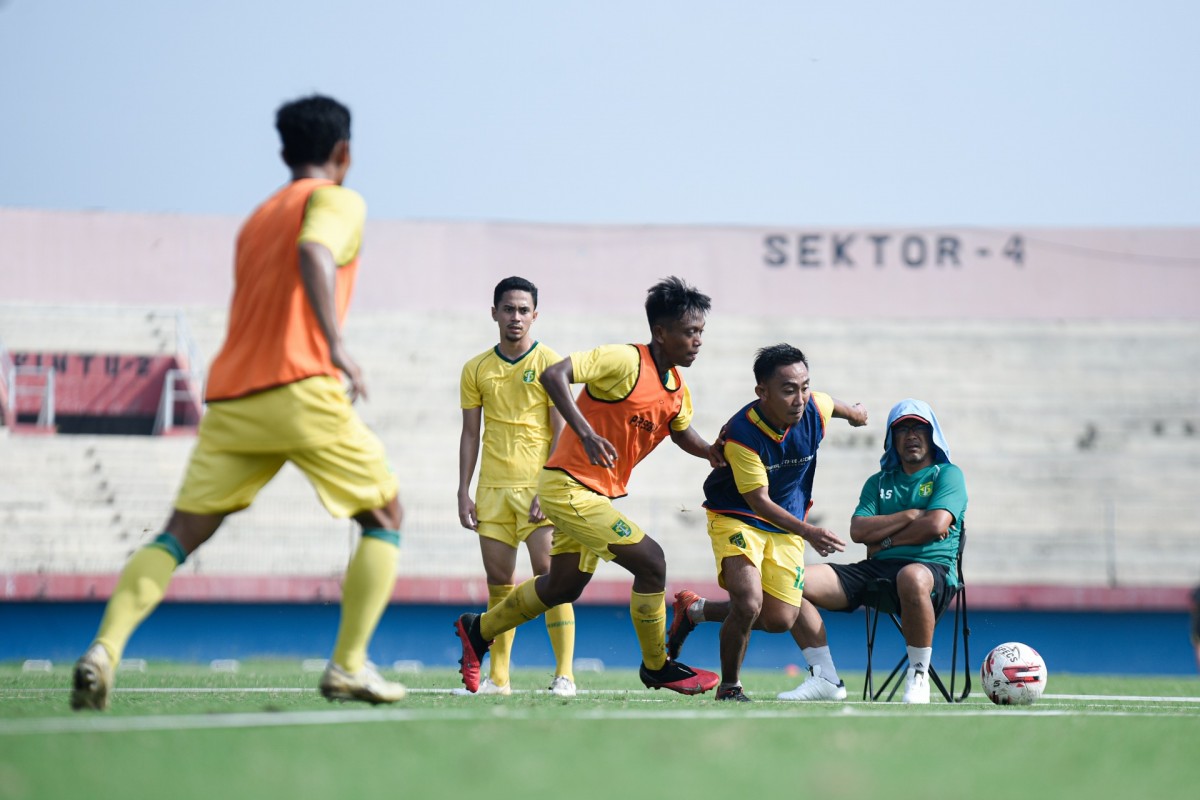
756 511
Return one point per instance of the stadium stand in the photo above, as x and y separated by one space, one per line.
1065 363
1079 441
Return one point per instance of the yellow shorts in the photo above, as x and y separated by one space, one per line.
242 443
503 514
779 557
585 522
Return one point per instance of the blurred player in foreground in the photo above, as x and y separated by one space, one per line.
501 389
633 398
275 394
757 506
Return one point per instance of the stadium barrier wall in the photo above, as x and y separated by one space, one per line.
473 590
421 635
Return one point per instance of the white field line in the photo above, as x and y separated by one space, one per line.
1123 698
92 723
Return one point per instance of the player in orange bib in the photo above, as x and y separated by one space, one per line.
274 395
633 399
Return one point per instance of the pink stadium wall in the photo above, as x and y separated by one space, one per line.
1017 273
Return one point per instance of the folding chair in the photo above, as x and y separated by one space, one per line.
878 600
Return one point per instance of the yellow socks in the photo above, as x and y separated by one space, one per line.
501 649
525 605
649 614
365 594
560 624
521 605
139 590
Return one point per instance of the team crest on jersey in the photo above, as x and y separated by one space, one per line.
621 528
737 540
926 489
530 376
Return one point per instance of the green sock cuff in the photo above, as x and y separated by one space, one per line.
383 535
167 542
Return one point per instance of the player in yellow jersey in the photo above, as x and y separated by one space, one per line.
501 389
275 394
633 399
758 509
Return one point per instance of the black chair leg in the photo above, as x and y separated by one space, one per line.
900 665
872 619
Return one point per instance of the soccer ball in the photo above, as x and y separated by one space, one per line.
1013 674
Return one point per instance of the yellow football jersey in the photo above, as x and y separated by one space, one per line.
611 371
516 414
335 218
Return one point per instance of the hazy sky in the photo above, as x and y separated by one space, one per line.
931 112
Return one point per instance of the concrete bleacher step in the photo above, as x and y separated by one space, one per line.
1061 428
88 329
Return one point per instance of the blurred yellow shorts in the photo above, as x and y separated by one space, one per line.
243 443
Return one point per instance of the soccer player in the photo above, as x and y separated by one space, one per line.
275 394
757 505
910 517
633 398
501 387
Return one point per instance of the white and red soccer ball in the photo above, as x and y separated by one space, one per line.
1013 674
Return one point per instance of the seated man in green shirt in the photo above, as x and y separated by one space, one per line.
910 517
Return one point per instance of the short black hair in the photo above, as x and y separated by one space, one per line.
513 284
310 127
672 299
769 359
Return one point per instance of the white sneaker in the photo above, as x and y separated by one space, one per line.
562 686
92 679
487 687
816 688
916 687
366 685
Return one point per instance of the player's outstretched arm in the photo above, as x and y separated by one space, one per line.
468 456
691 442
823 540
557 380
318 271
855 414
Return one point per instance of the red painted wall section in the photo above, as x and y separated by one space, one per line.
99 384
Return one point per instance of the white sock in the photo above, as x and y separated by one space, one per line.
695 611
918 658
821 657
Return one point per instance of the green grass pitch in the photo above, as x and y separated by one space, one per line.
183 731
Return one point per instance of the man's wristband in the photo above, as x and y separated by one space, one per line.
885 543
